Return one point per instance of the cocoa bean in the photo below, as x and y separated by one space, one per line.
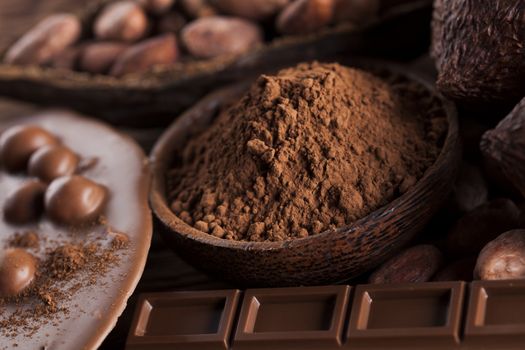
476 228
156 7
44 41
210 37
97 58
460 270
416 264
161 50
197 8
470 189
67 59
256 10
305 16
121 21
503 258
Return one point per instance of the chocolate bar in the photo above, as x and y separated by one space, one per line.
496 315
394 316
200 320
292 318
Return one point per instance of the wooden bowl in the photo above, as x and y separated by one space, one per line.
153 97
329 257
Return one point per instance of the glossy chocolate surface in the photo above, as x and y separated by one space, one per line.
496 315
17 271
18 144
292 318
185 320
50 162
74 200
410 316
25 203
115 162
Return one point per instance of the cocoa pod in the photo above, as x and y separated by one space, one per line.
415 264
504 147
305 16
476 228
355 11
44 41
161 50
470 189
256 10
121 21
210 37
478 49
98 57
460 270
503 258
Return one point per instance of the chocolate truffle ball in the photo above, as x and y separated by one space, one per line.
17 271
18 143
74 200
50 162
26 204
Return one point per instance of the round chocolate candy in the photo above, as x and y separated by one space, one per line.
74 200
50 162
18 143
17 271
26 204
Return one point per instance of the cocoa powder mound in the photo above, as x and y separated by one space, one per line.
312 148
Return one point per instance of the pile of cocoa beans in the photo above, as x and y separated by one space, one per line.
131 36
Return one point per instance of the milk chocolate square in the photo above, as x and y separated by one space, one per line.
496 315
184 320
292 318
406 316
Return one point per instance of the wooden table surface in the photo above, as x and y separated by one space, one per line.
164 270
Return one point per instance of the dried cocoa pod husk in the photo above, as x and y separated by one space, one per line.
476 228
503 258
504 147
153 97
478 48
415 264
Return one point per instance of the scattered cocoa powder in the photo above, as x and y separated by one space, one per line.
27 239
41 303
312 148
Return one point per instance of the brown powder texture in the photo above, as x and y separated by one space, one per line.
42 302
27 239
313 148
